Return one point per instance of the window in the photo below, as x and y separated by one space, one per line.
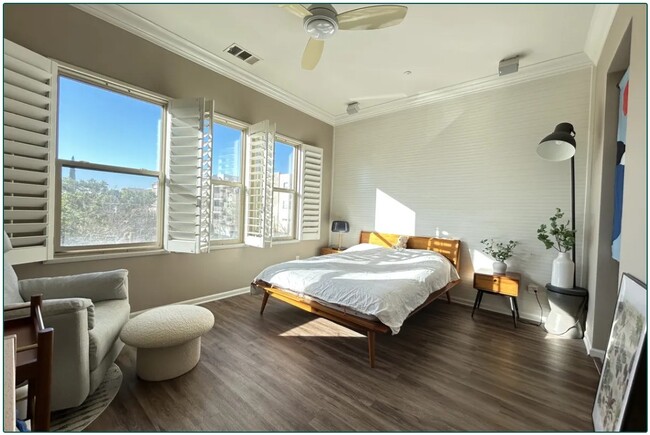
110 141
284 190
227 181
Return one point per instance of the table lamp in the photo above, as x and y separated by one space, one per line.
340 227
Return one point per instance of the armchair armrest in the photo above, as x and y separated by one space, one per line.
53 307
98 286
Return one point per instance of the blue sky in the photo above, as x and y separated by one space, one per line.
114 129
107 127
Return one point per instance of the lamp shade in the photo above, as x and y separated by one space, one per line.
340 227
559 145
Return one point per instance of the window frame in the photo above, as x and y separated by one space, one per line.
241 126
103 82
293 234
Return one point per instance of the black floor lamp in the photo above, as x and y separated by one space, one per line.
567 305
557 147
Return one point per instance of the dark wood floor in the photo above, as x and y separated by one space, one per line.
289 371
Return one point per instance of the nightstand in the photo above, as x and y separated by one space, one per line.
485 281
328 250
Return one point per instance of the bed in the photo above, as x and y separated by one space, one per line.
369 287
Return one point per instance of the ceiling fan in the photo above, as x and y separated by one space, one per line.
321 21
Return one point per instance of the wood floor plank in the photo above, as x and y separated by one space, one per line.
291 371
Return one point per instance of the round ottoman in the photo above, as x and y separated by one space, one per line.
168 340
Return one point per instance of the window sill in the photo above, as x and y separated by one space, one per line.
227 246
284 242
71 258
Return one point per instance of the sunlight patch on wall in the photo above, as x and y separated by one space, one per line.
481 260
391 216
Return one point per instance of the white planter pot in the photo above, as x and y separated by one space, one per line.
499 267
562 273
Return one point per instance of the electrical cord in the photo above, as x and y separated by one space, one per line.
580 308
541 314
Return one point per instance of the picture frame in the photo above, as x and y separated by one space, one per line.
624 350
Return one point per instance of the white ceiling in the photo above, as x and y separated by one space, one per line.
441 44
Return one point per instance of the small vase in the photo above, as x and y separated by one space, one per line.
499 267
562 272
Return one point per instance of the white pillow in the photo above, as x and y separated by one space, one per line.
363 247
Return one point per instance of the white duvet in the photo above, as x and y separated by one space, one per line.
382 282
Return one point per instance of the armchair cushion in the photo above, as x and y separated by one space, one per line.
110 317
10 293
97 286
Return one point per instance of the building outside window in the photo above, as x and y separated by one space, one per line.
284 190
227 181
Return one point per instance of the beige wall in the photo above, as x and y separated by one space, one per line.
625 46
467 166
66 34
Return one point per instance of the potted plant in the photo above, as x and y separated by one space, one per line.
562 238
499 252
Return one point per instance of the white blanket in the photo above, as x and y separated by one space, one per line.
386 283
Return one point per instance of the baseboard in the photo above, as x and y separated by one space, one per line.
594 353
531 317
204 299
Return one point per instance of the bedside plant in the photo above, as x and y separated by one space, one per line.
499 252
562 238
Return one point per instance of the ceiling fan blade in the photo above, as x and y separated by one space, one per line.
372 17
297 10
312 53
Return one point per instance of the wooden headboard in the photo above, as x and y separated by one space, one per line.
450 248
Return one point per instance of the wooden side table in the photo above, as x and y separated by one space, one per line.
327 250
485 281
33 361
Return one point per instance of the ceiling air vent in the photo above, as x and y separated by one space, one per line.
242 54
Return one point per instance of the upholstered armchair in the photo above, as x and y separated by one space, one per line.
87 313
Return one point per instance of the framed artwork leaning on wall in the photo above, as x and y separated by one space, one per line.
622 374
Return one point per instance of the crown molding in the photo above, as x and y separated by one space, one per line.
601 22
134 23
528 73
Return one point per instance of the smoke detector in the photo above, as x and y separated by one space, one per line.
352 108
509 66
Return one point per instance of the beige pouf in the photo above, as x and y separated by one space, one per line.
168 340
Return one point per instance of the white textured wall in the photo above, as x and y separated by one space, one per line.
468 167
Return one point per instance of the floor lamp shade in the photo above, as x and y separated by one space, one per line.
559 145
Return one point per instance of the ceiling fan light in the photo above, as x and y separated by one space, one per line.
320 27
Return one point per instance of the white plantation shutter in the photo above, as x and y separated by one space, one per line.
310 190
189 170
28 145
260 144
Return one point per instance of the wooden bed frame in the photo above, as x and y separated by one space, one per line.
450 248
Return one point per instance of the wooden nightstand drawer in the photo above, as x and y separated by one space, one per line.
505 285
328 250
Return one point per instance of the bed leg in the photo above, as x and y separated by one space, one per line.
371 348
448 297
264 301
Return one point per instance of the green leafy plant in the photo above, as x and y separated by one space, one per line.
558 236
497 250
